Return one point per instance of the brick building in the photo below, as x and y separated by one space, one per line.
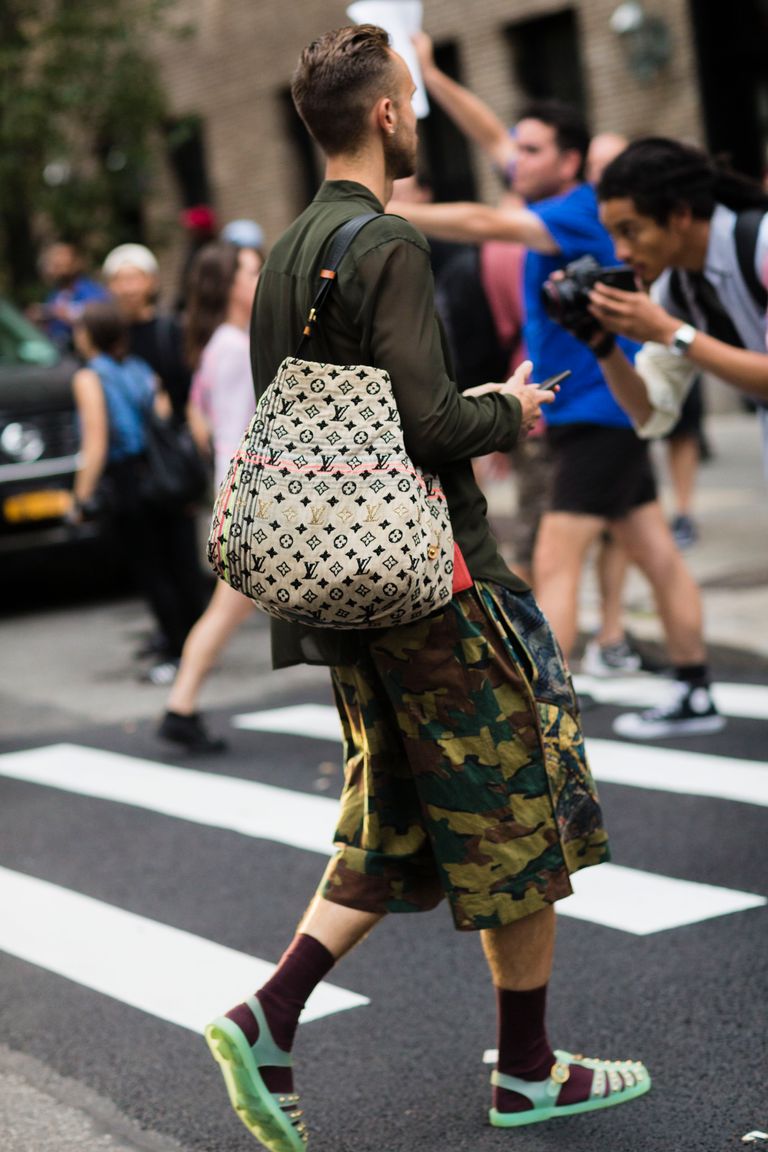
237 141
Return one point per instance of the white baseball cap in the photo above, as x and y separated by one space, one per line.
131 256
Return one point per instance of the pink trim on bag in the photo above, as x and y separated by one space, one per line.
224 505
308 469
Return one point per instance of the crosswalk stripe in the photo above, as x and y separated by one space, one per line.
255 809
319 721
645 902
628 899
670 770
164 971
635 766
741 701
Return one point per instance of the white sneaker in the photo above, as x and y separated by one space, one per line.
691 711
610 659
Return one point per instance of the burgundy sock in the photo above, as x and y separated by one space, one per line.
302 966
525 1051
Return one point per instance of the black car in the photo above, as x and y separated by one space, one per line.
38 439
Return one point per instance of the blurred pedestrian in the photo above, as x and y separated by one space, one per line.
221 287
113 394
180 592
465 774
62 267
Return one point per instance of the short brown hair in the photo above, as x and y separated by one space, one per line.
337 79
106 328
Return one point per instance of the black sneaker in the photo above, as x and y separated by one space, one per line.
691 711
684 531
189 731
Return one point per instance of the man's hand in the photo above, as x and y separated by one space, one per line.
632 314
530 397
425 52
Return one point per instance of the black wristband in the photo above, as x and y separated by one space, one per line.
605 347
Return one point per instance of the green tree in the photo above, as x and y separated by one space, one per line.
80 97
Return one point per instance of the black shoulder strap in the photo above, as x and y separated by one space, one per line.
337 249
677 295
745 232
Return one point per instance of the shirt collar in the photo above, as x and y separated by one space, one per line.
718 262
332 190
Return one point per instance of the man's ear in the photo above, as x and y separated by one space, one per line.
571 161
680 218
385 115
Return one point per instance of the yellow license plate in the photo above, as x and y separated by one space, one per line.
36 505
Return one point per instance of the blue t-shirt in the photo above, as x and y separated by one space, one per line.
129 388
573 223
75 297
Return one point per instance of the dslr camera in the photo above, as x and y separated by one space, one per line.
566 299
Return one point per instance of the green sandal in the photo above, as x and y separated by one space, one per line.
273 1118
625 1079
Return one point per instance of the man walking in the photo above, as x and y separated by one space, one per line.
465 774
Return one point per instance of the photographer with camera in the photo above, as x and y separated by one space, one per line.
699 235
603 475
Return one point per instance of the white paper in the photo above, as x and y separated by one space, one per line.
401 19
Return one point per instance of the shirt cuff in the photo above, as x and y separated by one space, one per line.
668 379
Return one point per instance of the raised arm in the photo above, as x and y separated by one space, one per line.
469 223
471 114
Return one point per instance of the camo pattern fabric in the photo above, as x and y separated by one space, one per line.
465 773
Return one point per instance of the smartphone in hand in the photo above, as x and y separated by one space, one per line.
553 381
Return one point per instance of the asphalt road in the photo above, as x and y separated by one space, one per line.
404 1071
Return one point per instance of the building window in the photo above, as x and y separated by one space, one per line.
185 149
445 152
732 77
544 55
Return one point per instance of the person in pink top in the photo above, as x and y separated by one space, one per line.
222 284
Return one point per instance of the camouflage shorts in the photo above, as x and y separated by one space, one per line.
465 768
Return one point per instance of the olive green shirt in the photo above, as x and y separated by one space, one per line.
380 312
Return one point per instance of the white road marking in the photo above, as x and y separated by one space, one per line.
318 721
636 766
744 701
623 898
669 770
645 902
164 971
255 809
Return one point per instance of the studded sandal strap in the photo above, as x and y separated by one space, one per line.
541 1093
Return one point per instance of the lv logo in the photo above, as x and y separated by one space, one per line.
318 514
372 513
263 508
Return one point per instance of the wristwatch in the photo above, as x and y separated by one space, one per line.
682 339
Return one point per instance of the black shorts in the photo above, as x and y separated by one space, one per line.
691 415
600 471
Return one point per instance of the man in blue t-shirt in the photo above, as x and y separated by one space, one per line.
61 267
603 475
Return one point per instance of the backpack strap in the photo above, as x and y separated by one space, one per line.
745 233
337 249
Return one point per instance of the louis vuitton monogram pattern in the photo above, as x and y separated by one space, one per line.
323 519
